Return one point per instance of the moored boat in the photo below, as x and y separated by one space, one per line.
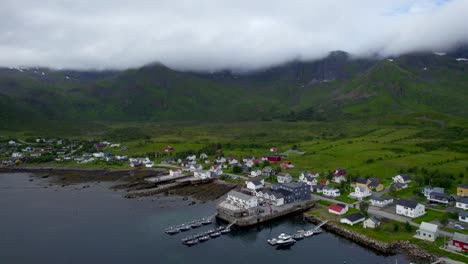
284 236
272 241
195 225
206 221
308 233
298 236
215 234
192 242
225 230
173 231
185 228
204 238
285 242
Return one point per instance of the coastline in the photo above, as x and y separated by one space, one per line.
412 251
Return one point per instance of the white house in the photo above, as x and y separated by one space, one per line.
202 174
221 160
12 143
410 208
272 197
242 200
339 178
308 178
195 167
360 192
255 184
426 191
463 216
98 154
462 203
217 170
175 172
331 191
233 162
427 231
402 178
149 164
256 173
381 201
353 219
16 155
249 163
191 157
203 156
115 145
338 209
372 222
284 177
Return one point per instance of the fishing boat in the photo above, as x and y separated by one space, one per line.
173 231
215 234
192 242
298 236
308 233
185 228
285 242
206 221
195 225
204 238
225 230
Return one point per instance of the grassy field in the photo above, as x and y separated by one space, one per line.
379 148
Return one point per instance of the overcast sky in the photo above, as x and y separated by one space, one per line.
216 34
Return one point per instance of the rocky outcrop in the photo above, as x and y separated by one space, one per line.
413 252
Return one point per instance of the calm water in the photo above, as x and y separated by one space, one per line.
97 225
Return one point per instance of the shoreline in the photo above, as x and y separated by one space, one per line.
412 251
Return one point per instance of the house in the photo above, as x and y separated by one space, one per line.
286 165
460 241
360 182
372 222
360 192
268 171
410 208
28 149
191 157
249 163
331 191
272 158
233 161
175 172
324 181
248 158
12 143
402 178
353 219
339 178
256 173
220 160
293 191
375 185
311 174
194 167
203 174
400 186
217 170
317 188
338 209
16 155
272 197
462 190
440 198
308 179
381 201
148 165
203 156
273 149
463 216
339 171
115 145
284 177
168 149
255 184
427 231
98 155
242 200
428 189
462 203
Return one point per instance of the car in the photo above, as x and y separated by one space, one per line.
459 227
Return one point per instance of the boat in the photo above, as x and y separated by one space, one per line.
173 231
298 236
204 238
285 242
185 239
308 233
185 228
195 225
221 227
225 230
206 221
272 241
215 234
192 242
284 236
317 231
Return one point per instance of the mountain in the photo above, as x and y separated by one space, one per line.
338 86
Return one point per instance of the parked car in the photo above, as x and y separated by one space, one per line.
457 226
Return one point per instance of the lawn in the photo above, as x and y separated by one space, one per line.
431 215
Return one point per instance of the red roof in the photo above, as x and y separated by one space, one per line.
176 169
168 148
336 208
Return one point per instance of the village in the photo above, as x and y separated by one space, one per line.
267 191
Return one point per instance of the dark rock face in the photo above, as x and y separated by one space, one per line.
414 252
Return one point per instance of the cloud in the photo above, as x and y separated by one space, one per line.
213 34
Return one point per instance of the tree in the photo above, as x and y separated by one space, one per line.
265 163
396 227
236 169
419 180
408 227
364 206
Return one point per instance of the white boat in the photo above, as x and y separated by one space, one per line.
284 236
272 241
285 242
308 233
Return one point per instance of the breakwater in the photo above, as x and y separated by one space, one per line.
413 252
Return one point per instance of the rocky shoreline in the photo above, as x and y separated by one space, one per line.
413 252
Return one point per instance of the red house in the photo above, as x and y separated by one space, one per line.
274 150
324 182
168 149
460 241
337 209
273 158
339 171
286 165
